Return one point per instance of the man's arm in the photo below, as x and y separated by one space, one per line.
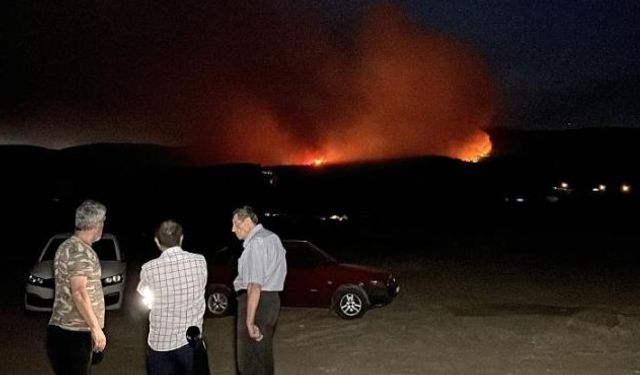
83 303
253 299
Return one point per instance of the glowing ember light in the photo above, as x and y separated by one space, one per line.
318 162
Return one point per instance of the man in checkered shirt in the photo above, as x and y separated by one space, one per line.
174 284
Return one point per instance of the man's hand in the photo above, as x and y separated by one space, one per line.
254 332
99 340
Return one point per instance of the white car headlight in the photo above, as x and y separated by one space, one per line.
35 280
112 279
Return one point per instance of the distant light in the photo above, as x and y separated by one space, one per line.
515 199
564 187
600 188
339 217
625 188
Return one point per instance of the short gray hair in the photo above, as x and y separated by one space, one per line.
90 214
246 212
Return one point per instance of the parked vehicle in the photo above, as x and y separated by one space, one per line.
314 279
39 290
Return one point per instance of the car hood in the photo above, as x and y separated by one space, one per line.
364 270
112 267
109 268
43 269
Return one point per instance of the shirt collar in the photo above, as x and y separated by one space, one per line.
252 233
171 250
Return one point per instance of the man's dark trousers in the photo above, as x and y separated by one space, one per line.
69 351
256 357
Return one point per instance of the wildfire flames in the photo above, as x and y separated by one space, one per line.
474 150
478 148
397 91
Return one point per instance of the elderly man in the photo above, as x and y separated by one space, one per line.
262 269
176 281
76 326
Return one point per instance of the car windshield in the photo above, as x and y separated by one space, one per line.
105 249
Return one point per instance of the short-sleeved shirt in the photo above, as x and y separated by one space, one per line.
263 261
177 280
76 258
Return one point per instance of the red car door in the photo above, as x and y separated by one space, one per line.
307 282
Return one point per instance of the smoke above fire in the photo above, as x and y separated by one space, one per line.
286 82
393 91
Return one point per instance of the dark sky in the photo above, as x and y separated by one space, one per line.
285 81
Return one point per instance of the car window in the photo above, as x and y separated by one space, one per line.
225 255
105 249
303 255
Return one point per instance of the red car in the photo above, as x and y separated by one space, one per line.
314 279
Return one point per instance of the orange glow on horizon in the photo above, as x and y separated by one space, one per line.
476 149
318 162
473 150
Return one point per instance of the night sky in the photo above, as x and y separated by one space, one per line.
294 81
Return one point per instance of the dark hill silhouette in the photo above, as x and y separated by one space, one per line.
123 155
522 160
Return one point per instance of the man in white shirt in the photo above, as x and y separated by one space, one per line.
262 269
174 284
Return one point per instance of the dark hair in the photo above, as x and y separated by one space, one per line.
169 234
246 212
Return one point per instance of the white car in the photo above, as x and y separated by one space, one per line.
39 291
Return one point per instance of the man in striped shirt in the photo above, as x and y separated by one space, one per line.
174 284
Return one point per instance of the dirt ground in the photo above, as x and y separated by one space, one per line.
451 317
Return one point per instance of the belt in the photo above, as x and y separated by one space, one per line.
244 291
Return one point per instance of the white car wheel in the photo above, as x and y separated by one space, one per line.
218 303
350 302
